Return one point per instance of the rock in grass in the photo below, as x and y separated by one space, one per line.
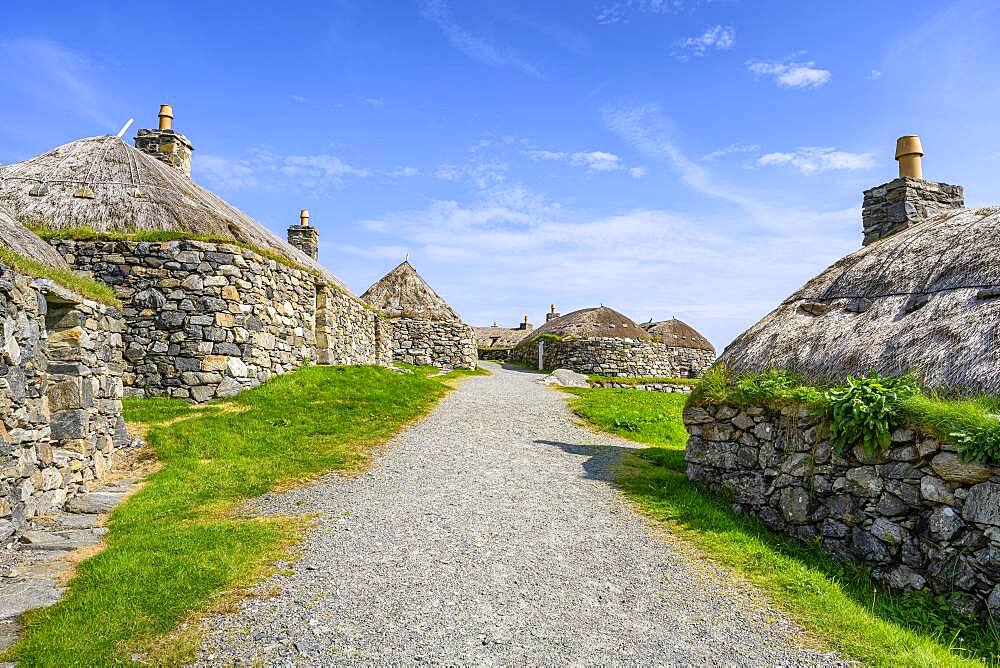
565 378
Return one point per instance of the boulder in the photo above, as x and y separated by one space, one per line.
565 378
952 468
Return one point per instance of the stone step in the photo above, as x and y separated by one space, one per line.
67 539
20 596
95 503
76 521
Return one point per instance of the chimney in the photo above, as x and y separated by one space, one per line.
551 314
908 199
526 325
165 143
304 237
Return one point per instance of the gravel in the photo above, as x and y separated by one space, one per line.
488 534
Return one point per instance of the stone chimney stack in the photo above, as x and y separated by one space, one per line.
526 325
166 144
552 314
909 199
304 237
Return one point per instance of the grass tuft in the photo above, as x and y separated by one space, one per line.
836 602
82 285
177 545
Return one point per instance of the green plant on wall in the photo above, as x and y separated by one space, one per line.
865 410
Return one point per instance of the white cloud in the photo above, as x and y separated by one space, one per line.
300 99
623 10
480 174
593 161
403 172
374 101
477 48
791 74
729 150
717 37
265 169
813 160
875 74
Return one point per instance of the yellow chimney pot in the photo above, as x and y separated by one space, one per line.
304 217
166 116
908 153
526 318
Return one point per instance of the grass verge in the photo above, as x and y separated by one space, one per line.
641 380
837 603
87 287
179 544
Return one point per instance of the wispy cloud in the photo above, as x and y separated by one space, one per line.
875 74
262 168
403 172
622 11
593 161
791 74
439 13
299 98
374 101
715 38
729 150
48 72
814 159
481 174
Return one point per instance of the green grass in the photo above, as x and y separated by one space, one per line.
177 546
87 287
646 380
837 603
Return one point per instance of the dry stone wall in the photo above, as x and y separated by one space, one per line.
207 320
608 356
60 396
648 387
918 515
450 345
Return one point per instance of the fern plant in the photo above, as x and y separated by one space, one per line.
865 409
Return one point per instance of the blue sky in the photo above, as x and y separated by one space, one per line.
663 157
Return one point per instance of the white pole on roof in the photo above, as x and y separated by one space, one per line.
125 128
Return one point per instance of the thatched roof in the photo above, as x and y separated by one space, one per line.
925 300
679 334
594 322
104 184
499 337
402 293
26 243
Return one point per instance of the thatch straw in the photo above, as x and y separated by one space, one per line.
599 321
26 243
103 184
499 337
924 301
678 334
402 293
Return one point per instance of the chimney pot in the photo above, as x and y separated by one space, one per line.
304 217
908 153
166 117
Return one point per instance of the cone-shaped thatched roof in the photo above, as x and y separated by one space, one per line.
679 334
499 337
27 244
104 184
599 321
402 293
925 300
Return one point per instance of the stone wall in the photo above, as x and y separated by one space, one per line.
207 320
648 387
60 396
894 206
494 354
607 356
449 345
918 515
349 333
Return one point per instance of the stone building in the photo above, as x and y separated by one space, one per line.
922 296
425 329
214 302
496 343
60 382
603 341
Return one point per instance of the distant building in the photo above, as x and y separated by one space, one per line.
425 329
496 343
602 341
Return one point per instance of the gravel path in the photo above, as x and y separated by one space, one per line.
488 534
